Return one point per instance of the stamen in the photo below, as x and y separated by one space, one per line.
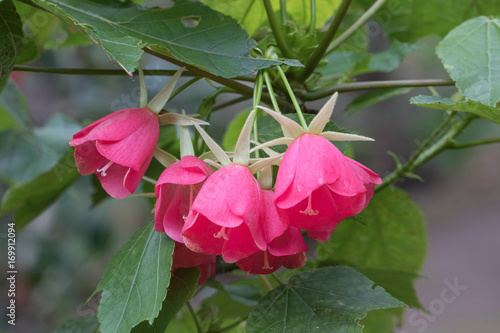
309 210
266 262
221 233
104 168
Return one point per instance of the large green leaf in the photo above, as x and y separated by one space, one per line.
251 14
330 299
410 20
442 103
181 289
393 237
189 31
29 199
470 53
11 39
135 282
13 108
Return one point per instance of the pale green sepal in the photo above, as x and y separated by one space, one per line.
274 142
268 151
213 163
290 127
242 147
213 146
159 101
164 157
319 121
257 166
185 142
266 178
337 136
179 119
143 95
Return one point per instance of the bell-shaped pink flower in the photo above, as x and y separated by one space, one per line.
184 257
286 250
118 148
317 186
176 190
227 207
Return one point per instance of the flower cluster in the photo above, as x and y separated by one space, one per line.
229 212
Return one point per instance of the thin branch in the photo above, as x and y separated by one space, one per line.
266 282
473 143
367 85
229 103
195 318
313 61
280 40
88 71
352 29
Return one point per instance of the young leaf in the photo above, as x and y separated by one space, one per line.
135 282
329 299
470 54
437 102
11 39
29 199
181 289
215 39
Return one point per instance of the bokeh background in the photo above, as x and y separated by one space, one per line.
62 254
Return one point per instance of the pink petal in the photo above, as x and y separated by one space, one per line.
184 257
171 206
240 244
91 132
320 236
189 170
198 232
113 181
136 147
133 178
365 175
88 159
290 243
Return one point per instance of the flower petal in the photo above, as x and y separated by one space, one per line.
88 159
189 170
113 181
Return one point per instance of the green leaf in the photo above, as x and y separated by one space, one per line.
27 153
394 237
181 289
270 129
410 20
13 108
330 299
135 282
233 130
373 98
11 38
441 103
397 283
28 200
80 325
215 39
470 55
381 321
252 15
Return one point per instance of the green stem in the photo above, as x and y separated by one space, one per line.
269 85
312 26
259 82
184 86
352 29
229 103
266 282
313 61
473 143
292 96
367 85
430 148
195 318
88 71
283 11
280 40
277 279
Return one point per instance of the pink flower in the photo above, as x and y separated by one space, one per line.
184 257
176 189
286 250
224 217
317 186
118 148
